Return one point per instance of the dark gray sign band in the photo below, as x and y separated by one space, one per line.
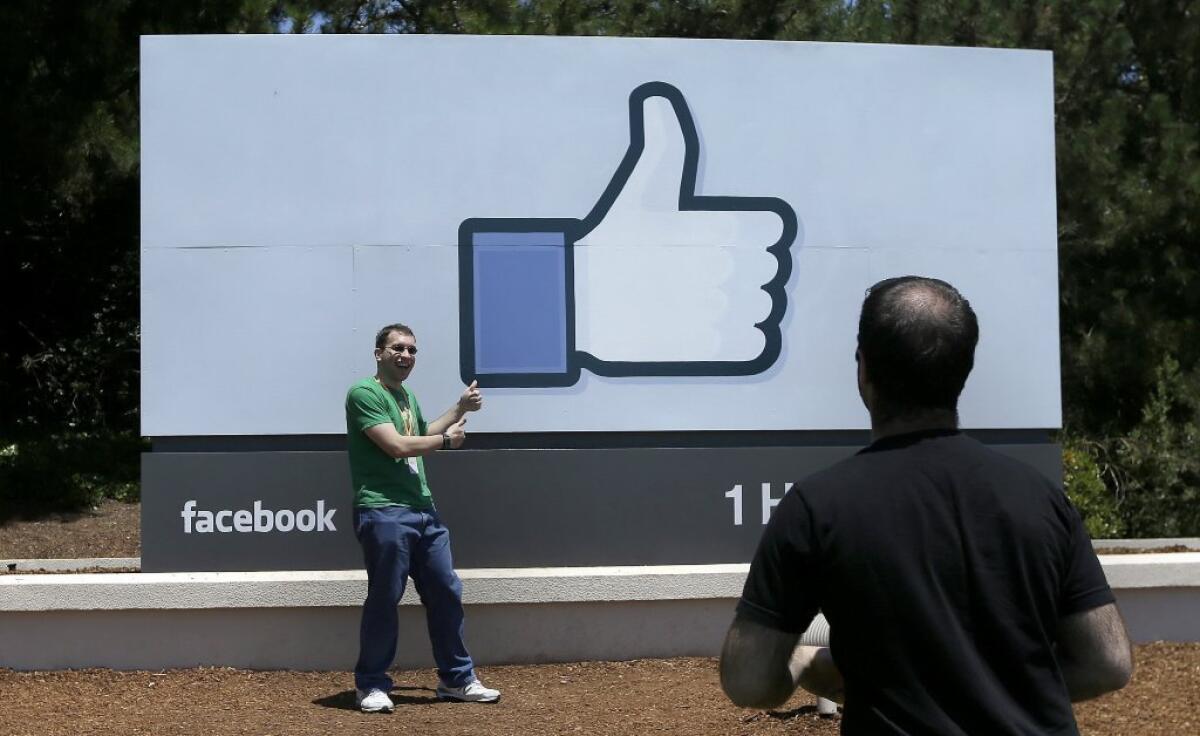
225 511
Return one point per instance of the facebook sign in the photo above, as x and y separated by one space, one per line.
654 276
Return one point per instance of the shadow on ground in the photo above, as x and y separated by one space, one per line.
788 715
402 695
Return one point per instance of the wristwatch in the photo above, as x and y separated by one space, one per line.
445 441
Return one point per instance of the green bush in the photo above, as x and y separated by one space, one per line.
68 472
1150 474
1156 467
1086 489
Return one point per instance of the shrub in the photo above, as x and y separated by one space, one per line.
68 472
1156 467
1086 489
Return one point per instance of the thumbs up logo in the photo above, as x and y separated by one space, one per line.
655 281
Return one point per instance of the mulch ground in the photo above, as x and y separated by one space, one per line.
112 529
673 696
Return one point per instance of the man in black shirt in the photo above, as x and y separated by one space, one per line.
960 586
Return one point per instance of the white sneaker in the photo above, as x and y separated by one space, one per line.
472 692
373 701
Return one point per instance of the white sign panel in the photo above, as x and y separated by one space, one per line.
608 234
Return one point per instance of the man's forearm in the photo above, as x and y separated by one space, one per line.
1094 653
813 670
754 668
1085 683
400 446
442 423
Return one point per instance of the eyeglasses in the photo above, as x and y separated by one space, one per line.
401 349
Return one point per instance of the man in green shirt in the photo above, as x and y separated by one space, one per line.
398 526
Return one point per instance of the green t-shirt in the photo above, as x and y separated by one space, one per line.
380 480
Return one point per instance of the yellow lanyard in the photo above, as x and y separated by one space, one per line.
405 411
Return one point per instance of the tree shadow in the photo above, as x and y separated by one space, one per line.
400 695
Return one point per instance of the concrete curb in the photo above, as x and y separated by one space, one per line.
308 620
346 588
484 586
1162 570
1189 542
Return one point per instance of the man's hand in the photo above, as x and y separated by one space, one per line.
814 670
471 399
457 434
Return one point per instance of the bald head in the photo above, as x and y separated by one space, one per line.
917 338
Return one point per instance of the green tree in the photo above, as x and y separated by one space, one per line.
1129 208
69 238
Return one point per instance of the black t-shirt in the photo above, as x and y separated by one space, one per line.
943 568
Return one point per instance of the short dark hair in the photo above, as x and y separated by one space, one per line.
917 336
381 337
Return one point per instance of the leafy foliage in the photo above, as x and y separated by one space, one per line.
69 214
1086 489
1157 466
68 472
69 240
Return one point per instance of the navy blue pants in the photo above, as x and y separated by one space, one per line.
398 542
